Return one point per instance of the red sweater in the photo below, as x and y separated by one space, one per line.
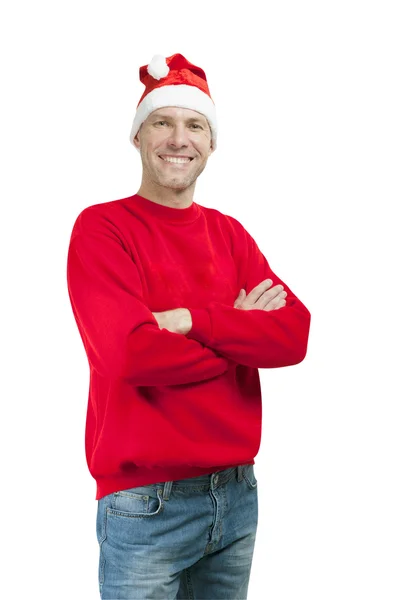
165 406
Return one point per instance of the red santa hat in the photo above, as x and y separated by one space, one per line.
173 81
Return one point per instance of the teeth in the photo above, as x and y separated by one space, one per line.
176 159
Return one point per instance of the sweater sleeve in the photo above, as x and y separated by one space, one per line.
122 338
254 338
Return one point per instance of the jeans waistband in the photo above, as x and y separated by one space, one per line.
212 480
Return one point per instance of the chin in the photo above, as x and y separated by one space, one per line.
176 185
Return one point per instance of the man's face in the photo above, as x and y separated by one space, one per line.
177 133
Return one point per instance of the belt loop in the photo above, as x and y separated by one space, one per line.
240 472
167 489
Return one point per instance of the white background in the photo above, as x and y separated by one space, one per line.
308 101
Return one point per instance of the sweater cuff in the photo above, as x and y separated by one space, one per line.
201 330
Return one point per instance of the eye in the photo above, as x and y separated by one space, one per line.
195 125
157 122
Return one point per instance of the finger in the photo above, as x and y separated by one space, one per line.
277 300
275 292
259 290
280 303
275 304
264 285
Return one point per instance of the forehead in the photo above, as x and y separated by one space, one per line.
175 112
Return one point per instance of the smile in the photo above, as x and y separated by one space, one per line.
176 160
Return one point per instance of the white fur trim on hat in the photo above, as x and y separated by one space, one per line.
182 96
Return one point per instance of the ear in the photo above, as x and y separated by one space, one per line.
136 140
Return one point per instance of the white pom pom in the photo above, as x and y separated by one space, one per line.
158 67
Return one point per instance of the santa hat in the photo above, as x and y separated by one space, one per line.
173 81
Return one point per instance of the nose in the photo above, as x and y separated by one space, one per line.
178 136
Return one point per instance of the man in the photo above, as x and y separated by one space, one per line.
177 309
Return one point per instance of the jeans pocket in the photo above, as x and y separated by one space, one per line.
138 502
249 477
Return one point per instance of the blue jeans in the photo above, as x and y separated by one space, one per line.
186 539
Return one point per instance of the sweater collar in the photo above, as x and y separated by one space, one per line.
167 213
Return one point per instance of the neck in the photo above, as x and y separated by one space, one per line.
167 196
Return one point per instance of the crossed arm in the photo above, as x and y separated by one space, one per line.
262 297
124 339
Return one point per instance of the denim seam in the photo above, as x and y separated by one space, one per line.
189 585
102 540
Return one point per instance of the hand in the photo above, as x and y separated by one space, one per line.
178 320
262 297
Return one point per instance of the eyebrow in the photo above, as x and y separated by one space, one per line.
161 116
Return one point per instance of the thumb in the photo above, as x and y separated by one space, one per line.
241 296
